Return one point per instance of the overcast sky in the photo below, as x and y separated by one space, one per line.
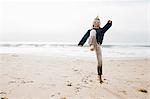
68 21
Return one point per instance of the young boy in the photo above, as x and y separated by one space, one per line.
96 35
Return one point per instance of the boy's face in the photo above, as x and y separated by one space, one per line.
96 23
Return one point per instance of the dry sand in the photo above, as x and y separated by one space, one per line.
25 76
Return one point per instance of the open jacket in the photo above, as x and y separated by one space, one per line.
99 34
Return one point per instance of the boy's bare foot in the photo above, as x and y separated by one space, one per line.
100 79
92 47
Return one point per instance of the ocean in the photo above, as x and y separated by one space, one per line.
72 50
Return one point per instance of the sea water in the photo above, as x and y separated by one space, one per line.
72 50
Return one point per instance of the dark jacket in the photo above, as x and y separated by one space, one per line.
99 34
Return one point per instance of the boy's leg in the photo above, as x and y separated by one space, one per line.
99 61
93 45
92 39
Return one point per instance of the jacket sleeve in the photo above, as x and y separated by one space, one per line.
84 38
106 27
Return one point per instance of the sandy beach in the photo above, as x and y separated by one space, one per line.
29 76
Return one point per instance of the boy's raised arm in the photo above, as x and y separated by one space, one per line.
107 26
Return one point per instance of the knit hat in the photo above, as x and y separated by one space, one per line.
97 18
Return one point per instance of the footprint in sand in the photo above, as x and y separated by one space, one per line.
76 70
77 89
86 79
11 82
69 83
63 98
3 93
27 81
4 98
124 92
56 94
142 90
52 95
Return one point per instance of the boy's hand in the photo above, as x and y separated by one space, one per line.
80 45
109 21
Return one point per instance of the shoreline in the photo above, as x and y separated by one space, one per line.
71 56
